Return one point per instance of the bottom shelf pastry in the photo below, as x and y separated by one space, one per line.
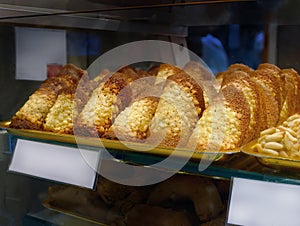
180 200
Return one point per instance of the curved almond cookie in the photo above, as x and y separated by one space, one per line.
181 104
223 124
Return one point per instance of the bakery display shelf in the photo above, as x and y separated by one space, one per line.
224 166
122 146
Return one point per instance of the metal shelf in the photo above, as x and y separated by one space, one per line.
231 165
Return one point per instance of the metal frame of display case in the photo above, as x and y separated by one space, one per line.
236 165
39 15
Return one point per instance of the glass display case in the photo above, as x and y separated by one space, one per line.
38 38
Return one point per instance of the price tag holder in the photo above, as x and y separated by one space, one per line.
54 162
262 203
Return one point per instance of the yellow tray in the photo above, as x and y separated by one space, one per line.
274 162
116 145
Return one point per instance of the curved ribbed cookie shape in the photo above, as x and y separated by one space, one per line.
181 104
271 95
105 103
132 124
289 104
224 123
204 77
275 71
239 67
242 81
60 117
234 67
166 70
33 113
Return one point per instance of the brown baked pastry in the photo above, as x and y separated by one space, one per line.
79 201
290 88
231 69
224 123
33 113
270 82
242 81
132 124
276 72
239 67
73 71
181 104
157 216
60 116
200 191
104 105
67 107
164 71
112 192
205 78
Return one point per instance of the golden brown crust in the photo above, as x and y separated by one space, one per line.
254 100
36 108
235 99
289 105
33 113
242 81
269 112
19 123
270 81
224 123
128 73
204 77
166 70
239 67
60 116
222 78
233 76
133 123
104 105
59 82
178 110
268 66
83 92
189 85
72 70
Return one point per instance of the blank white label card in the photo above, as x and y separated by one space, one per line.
55 162
261 203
